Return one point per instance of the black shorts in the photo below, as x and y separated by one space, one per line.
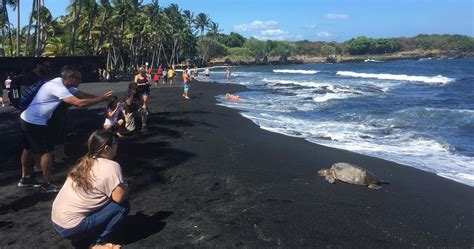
57 124
37 138
144 90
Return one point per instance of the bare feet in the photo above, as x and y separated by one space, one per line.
105 246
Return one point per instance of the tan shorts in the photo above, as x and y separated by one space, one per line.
130 124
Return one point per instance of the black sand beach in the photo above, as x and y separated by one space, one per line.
203 176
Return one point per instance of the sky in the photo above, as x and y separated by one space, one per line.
319 20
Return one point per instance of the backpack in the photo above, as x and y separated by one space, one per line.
15 90
29 94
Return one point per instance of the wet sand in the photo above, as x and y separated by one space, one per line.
203 176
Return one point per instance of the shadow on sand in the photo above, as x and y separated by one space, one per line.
134 228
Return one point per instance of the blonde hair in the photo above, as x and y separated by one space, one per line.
80 173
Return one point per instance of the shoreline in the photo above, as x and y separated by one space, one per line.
204 176
399 56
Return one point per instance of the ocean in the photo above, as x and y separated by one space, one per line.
417 113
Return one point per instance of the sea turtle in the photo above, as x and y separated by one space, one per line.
351 173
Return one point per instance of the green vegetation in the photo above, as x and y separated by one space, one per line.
128 33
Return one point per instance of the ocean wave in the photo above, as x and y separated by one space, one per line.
390 143
295 71
329 96
426 79
310 84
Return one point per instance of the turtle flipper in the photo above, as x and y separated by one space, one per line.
330 179
374 186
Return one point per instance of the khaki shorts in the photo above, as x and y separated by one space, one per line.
130 118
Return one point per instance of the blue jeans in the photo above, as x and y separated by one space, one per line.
97 225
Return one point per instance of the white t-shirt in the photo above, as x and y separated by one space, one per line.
8 83
72 205
46 100
112 120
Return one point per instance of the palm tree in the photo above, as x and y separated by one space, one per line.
17 6
5 22
214 29
201 22
27 35
76 14
56 46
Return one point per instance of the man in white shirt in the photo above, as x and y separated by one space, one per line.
37 138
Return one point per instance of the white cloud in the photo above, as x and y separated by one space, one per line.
274 32
310 26
324 34
299 37
337 16
273 38
256 25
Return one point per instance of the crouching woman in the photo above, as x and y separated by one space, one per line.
94 198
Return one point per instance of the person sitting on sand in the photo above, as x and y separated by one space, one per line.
112 112
94 198
186 84
232 96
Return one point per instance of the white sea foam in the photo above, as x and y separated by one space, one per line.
293 82
328 96
426 79
371 60
295 71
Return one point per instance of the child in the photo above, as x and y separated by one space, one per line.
114 108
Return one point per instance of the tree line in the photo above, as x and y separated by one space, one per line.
128 33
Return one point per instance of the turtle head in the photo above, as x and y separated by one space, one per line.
323 172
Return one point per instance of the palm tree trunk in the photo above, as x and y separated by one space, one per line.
89 27
10 38
18 28
77 13
101 36
27 35
38 27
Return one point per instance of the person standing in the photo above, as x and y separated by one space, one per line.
40 71
143 83
227 73
207 73
159 74
94 198
170 75
38 138
186 79
8 83
195 73
165 76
